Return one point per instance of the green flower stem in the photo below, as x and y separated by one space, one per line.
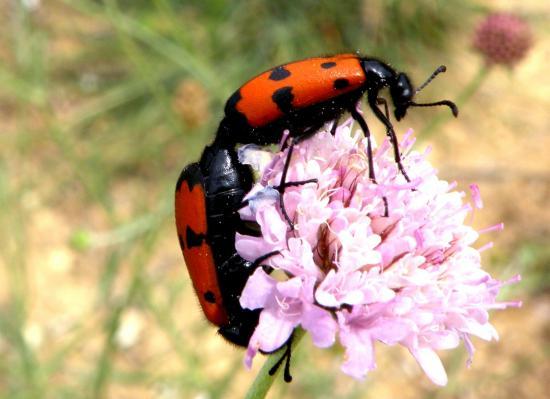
261 385
468 91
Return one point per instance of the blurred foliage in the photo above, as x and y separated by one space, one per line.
102 103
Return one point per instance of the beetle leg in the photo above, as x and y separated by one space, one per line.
334 125
284 184
286 355
263 258
391 134
365 128
382 101
289 143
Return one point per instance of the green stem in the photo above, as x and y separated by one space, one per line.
468 91
263 381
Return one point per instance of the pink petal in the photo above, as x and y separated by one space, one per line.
272 224
272 331
431 364
251 352
321 326
359 359
290 288
476 196
391 330
251 248
258 291
444 340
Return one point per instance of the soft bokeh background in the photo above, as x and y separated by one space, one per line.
103 102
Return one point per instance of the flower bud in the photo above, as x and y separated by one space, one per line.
503 38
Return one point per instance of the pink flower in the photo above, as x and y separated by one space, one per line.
349 273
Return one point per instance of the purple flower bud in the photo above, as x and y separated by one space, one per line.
503 38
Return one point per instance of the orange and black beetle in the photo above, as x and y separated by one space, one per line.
302 96
208 195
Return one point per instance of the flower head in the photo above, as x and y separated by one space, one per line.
503 38
350 273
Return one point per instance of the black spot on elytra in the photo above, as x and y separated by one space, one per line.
328 65
182 243
283 98
193 239
235 119
341 83
279 73
180 181
191 174
209 297
232 102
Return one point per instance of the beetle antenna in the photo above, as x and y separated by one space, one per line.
440 69
450 104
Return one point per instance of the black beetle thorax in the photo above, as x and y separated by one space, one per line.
378 74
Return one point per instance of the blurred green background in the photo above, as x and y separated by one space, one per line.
103 102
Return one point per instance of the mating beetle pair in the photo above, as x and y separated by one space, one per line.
300 96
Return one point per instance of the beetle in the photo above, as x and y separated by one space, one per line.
302 96
207 197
